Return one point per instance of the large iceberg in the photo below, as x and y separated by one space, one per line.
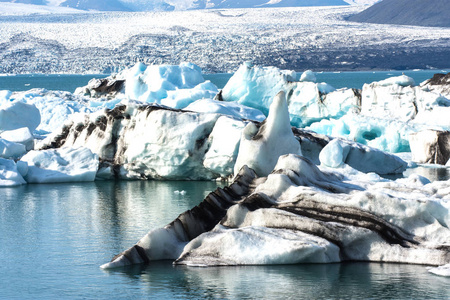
149 141
302 214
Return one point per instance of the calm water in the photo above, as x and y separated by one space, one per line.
54 237
338 80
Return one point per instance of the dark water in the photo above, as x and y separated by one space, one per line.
54 237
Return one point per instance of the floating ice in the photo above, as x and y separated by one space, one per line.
173 86
10 174
308 75
301 214
10 149
61 165
441 270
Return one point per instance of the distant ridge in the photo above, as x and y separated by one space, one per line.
201 4
434 13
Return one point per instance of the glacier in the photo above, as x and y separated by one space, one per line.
300 38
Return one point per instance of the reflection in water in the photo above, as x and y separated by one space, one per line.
432 172
308 281
54 237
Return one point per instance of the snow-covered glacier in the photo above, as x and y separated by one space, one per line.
296 38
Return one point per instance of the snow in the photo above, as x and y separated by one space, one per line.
231 37
260 148
61 165
10 174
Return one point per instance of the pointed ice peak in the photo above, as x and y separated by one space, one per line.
260 148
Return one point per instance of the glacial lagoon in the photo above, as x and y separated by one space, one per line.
54 237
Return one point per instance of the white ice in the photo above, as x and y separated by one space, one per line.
260 148
15 114
173 86
61 165
21 135
10 174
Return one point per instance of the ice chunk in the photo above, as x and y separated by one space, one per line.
224 145
260 148
255 87
17 114
173 86
61 165
430 146
21 135
401 80
11 150
9 173
308 75
441 270
333 155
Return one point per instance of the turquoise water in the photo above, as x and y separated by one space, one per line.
338 80
54 237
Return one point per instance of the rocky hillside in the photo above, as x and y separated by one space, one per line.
407 12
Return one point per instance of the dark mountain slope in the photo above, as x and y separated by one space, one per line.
407 12
200 4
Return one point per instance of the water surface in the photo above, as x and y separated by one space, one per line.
54 237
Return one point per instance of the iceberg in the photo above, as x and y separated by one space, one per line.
308 101
310 214
10 149
175 86
301 213
21 136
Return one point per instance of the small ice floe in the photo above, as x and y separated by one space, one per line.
182 192
441 270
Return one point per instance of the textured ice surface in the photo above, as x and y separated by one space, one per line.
302 213
61 165
15 114
21 135
260 147
308 101
10 174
